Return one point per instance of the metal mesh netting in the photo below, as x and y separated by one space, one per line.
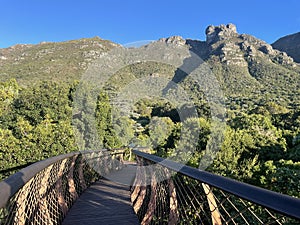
161 196
46 198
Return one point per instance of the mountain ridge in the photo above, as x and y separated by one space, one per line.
246 67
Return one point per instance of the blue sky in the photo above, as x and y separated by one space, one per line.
34 21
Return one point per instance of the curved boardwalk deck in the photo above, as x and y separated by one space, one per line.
107 201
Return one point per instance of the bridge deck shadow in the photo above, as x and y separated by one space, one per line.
107 201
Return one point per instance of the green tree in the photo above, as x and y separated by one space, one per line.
10 152
281 176
159 130
233 159
46 98
103 115
123 127
84 119
8 93
269 142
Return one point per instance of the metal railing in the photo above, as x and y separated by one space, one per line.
43 192
166 192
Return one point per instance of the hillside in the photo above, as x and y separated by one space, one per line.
64 61
289 44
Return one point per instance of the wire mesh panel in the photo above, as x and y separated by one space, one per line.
161 195
47 196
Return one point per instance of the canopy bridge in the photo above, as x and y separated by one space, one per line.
98 187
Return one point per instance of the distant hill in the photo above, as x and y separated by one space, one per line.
63 61
289 44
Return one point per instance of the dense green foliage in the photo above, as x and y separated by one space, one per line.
260 145
35 122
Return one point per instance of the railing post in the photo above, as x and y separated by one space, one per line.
173 216
139 192
42 195
81 176
71 183
59 185
215 214
152 203
20 216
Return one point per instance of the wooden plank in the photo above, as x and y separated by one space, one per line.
105 202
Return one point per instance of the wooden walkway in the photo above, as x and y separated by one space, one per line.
106 202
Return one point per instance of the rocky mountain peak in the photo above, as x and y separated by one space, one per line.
176 40
232 48
218 33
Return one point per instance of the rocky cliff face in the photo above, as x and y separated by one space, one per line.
219 33
175 40
238 49
289 44
230 47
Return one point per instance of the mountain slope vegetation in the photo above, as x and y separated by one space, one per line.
64 61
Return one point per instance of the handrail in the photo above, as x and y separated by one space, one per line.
55 182
10 185
283 204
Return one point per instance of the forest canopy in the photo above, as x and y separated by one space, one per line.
260 145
